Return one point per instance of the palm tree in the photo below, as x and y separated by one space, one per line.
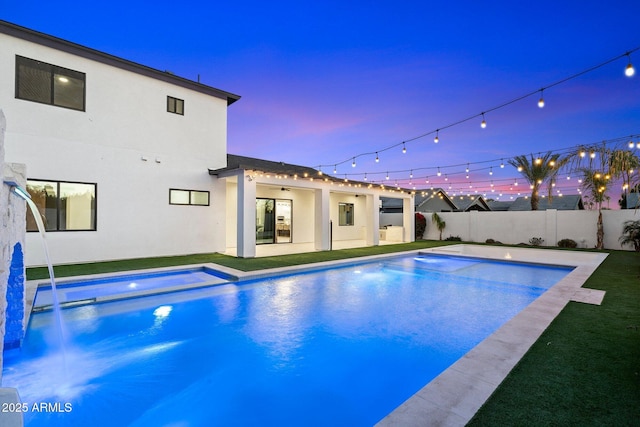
440 224
631 234
538 171
622 164
604 167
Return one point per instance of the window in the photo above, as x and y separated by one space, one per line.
175 105
345 214
188 197
49 84
63 206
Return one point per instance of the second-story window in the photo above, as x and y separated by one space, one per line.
175 105
49 84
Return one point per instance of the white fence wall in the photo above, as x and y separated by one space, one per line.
519 227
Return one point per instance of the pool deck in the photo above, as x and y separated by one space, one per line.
454 396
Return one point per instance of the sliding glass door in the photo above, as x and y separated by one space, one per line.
273 221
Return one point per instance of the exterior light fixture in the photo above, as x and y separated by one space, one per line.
631 145
335 170
629 71
404 148
467 169
538 161
592 154
541 100
439 173
519 168
582 153
501 163
491 170
377 158
411 174
436 139
387 175
365 176
483 124
353 163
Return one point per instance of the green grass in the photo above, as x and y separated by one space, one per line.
583 371
585 368
244 264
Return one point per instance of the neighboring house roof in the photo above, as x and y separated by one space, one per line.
236 163
472 202
561 203
437 200
497 205
104 58
633 200
432 201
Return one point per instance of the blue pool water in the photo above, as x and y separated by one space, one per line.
343 346
128 284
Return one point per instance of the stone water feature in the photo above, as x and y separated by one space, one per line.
12 269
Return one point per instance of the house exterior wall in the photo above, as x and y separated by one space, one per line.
302 209
126 120
348 232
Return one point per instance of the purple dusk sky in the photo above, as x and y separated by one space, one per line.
322 83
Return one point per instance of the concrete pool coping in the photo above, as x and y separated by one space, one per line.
453 397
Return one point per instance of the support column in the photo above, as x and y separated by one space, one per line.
409 219
246 217
322 231
373 220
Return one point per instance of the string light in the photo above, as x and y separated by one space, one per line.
439 173
335 169
491 170
353 164
436 139
629 71
483 124
377 158
387 175
501 163
541 100
404 148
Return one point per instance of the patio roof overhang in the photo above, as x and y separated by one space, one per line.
260 167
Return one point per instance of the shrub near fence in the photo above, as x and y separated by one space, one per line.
550 225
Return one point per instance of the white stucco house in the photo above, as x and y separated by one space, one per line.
127 161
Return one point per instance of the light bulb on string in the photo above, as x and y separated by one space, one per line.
491 170
483 124
501 163
404 148
439 173
467 169
365 176
335 169
387 176
541 100
353 164
436 139
629 71
411 174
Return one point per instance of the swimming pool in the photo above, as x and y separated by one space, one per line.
343 346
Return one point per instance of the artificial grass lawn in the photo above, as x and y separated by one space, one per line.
584 369
244 264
